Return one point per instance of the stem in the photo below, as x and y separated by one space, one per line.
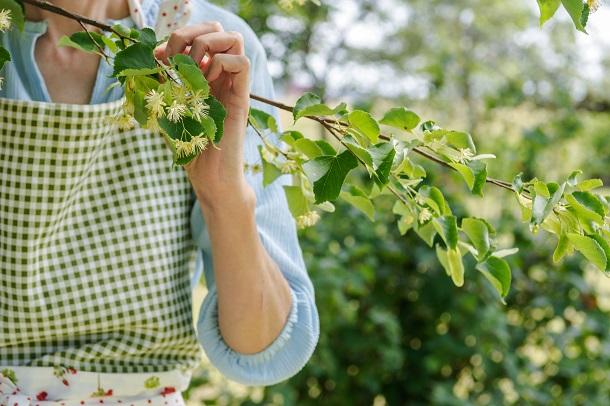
327 123
45 5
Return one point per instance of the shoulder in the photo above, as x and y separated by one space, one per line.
203 11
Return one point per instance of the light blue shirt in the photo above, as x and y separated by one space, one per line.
293 347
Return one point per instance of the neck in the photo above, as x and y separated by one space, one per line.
96 9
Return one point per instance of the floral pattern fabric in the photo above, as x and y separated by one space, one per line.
61 386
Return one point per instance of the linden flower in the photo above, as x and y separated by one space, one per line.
180 94
424 215
129 108
308 220
176 111
152 125
199 110
126 122
183 148
5 20
199 143
155 103
594 5
253 169
289 167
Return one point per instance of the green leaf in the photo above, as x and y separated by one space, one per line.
548 8
433 198
5 56
446 227
517 183
142 72
141 112
412 170
192 75
477 232
270 171
426 232
587 206
584 18
364 124
456 266
81 41
297 202
136 56
311 105
572 178
308 147
327 174
148 37
17 12
383 156
362 153
604 244
218 114
263 120
357 198
326 147
589 184
575 9
544 205
289 137
401 118
475 175
497 271
461 140
562 247
590 248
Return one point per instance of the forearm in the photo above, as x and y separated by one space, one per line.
254 298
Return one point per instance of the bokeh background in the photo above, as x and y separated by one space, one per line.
394 329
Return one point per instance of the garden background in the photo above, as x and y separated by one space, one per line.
395 330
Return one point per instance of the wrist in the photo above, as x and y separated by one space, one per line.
231 200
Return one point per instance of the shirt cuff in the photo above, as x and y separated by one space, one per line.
282 359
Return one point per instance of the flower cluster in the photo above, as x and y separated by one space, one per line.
5 20
308 220
187 148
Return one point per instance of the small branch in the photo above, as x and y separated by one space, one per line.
45 5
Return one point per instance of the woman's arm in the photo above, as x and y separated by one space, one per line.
254 298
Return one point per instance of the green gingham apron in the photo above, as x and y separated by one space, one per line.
95 245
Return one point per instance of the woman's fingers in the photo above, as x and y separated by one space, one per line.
238 65
183 37
231 42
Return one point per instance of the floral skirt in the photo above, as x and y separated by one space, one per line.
46 386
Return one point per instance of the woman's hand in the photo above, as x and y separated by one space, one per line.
217 175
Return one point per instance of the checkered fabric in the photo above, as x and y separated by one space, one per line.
95 246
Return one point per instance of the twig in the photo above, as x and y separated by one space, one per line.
45 5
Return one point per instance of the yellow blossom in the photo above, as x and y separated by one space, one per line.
126 122
289 167
155 103
180 94
199 143
183 148
308 220
152 125
176 111
5 20
200 109
424 215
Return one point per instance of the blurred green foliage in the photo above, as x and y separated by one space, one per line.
394 328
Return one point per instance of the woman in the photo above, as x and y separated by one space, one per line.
97 229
